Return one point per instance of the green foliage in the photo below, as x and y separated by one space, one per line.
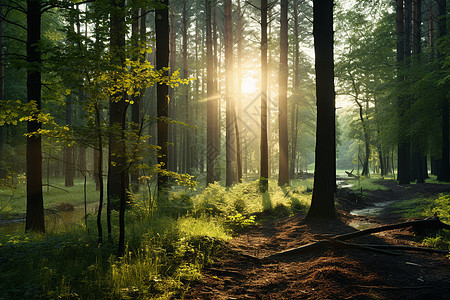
441 207
426 207
179 204
238 222
167 244
162 257
440 241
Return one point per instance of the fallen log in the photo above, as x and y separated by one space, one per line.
408 248
363 247
298 250
432 223
330 243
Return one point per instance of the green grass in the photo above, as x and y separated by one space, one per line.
365 184
166 247
13 199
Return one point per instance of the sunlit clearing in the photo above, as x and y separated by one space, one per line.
249 85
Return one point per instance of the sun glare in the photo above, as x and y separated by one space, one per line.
249 85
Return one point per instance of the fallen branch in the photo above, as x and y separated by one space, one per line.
409 248
350 174
326 243
299 250
394 287
433 223
363 247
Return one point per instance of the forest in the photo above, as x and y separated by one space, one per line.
234 149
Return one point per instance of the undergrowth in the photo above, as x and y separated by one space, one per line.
167 246
425 207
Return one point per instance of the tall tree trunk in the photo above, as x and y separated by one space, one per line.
194 137
82 161
283 175
216 124
229 87
35 203
269 97
322 203
187 137
445 167
69 161
294 115
2 95
264 151
136 99
211 127
117 110
365 170
416 51
173 162
238 108
403 171
162 61
99 173
95 168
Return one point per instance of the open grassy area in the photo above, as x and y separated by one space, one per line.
13 199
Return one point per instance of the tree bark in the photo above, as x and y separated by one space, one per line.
187 136
322 203
416 51
136 99
3 172
230 154
283 168
99 174
35 203
117 161
211 110
294 116
69 162
216 124
403 169
264 151
173 161
162 61
445 150
238 108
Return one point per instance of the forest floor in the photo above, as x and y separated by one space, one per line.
331 273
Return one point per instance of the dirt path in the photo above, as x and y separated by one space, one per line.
328 273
